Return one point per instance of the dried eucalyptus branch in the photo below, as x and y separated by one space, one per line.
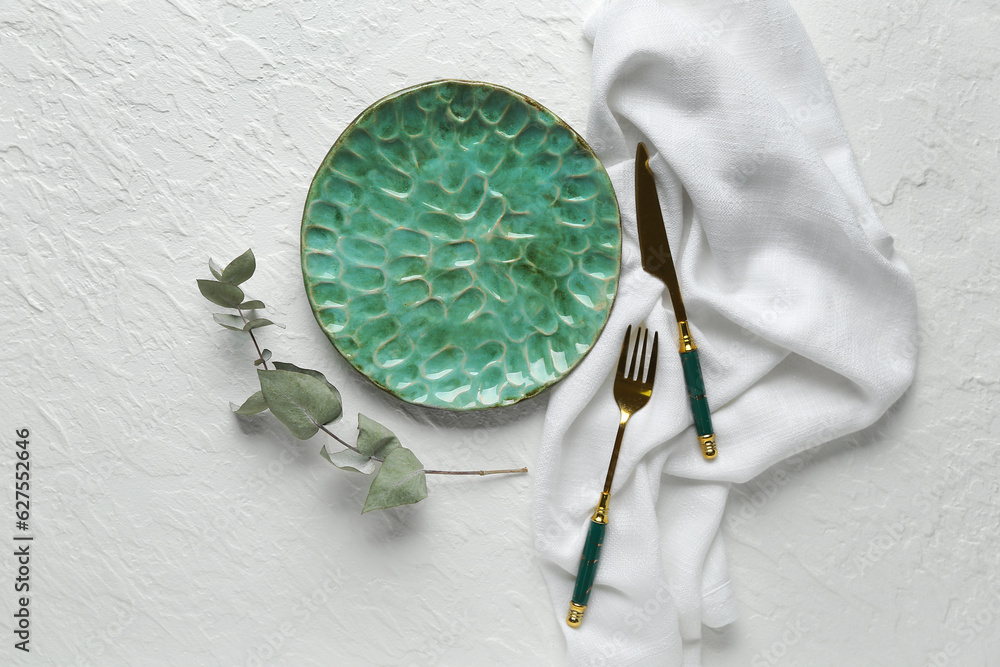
305 402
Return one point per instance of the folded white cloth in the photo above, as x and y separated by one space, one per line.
804 316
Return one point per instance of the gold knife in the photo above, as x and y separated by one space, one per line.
657 261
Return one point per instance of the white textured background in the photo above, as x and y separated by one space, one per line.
139 138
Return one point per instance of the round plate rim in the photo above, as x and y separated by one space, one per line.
302 247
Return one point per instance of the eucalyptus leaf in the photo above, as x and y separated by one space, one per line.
221 294
265 355
215 269
349 460
375 439
252 305
400 481
259 322
301 402
253 405
284 366
240 269
234 322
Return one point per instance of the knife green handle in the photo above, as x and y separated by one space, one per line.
696 393
588 569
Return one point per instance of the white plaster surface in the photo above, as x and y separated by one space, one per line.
139 138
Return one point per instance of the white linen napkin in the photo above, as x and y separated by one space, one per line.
804 315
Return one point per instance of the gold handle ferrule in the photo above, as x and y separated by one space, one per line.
600 514
708 449
575 616
686 342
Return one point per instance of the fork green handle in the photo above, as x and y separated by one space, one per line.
588 570
696 392
595 538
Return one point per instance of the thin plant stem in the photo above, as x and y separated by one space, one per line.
254 339
476 472
512 471
341 441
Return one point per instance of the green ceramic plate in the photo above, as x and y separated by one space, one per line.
461 245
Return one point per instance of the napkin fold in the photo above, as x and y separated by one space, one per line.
804 315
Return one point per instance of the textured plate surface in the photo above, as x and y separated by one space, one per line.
461 245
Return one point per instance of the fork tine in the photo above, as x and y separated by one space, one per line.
635 353
652 359
642 356
623 357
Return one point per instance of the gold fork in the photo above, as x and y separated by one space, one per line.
632 392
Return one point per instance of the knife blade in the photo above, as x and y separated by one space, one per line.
657 261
